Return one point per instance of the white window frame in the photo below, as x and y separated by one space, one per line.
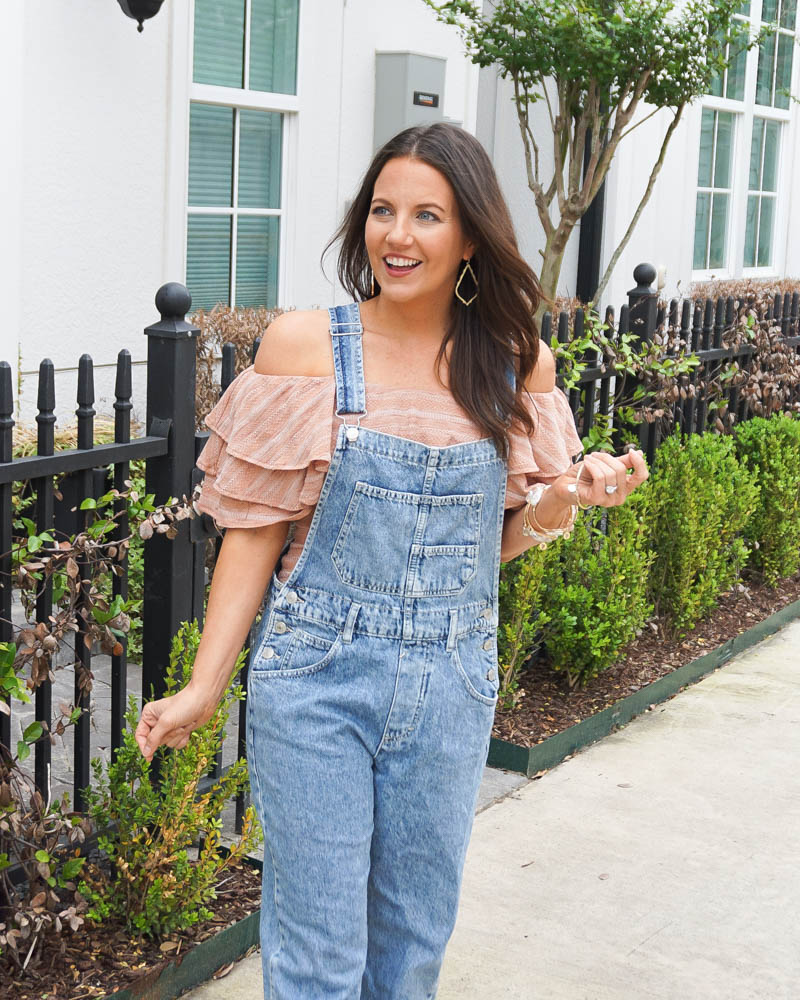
746 110
242 99
721 104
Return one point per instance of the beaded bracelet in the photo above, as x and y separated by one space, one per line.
531 527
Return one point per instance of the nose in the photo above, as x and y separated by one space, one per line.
398 235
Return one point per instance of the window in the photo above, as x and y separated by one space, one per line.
713 189
245 56
737 218
731 83
775 54
762 193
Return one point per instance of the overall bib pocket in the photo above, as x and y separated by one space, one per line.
475 659
289 650
420 545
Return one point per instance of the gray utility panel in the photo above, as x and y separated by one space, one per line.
409 90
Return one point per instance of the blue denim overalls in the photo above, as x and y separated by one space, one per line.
371 697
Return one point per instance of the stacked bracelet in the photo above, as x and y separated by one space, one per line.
531 527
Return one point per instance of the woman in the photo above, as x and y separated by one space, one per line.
392 435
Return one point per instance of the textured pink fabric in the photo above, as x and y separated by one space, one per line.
273 436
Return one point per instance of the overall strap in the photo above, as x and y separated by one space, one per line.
348 360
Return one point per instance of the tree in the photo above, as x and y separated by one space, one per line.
594 63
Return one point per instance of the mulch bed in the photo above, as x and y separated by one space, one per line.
103 959
548 705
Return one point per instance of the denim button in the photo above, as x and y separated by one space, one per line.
292 598
489 644
351 434
490 675
268 653
281 627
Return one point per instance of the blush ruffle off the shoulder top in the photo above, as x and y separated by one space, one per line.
273 437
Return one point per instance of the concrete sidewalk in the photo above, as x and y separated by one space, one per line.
663 863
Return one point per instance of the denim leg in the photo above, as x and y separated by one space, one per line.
312 786
426 786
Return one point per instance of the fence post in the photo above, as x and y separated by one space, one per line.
643 302
642 309
171 364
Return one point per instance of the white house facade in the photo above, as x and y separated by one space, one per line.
220 146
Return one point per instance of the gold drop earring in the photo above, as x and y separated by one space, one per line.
459 296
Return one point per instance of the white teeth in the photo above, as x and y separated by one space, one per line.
401 261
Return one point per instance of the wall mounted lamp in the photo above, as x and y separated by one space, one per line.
140 10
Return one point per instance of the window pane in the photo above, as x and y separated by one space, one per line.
718 78
719 225
765 232
210 155
766 61
219 42
257 261
724 151
702 214
736 72
769 179
273 46
706 148
208 260
769 10
750 231
783 76
744 10
788 14
259 159
756 148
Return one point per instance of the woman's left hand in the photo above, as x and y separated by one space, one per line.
605 480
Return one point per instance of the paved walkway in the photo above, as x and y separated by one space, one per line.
663 863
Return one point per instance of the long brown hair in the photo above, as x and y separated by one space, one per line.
497 331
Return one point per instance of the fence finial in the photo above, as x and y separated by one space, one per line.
173 300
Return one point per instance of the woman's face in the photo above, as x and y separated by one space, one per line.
413 233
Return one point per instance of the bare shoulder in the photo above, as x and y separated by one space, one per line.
296 343
543 376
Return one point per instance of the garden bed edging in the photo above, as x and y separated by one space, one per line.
541 757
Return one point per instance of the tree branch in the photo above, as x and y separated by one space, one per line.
640 208
542 205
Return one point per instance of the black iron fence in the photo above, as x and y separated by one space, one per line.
175 569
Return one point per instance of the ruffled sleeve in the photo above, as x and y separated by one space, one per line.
543 455
269 449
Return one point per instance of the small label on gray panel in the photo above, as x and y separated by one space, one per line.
426 100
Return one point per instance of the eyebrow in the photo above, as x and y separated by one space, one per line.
422 204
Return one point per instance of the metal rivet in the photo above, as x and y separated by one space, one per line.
281 627
351 434
489 644
291 597
268 653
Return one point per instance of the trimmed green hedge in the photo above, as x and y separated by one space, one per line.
714 506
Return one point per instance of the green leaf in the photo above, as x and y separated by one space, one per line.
34 543
88 504
72 867
33 732
42 856
23 750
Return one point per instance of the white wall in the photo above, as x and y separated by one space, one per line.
498 129
101 162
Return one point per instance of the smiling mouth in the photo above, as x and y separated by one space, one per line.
400 265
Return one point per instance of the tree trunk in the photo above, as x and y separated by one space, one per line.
550 273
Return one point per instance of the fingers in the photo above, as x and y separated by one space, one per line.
612 477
